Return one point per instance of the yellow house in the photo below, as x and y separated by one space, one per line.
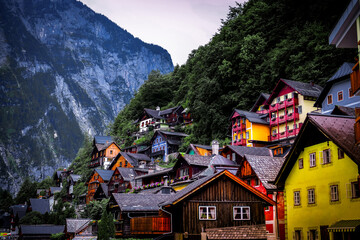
320 178
249 129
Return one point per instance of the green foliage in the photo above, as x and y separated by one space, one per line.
6 200
46 183
260 42
145 139
172 161
58 236
33 217
27 191
82 160
79 189
62 210
94 209
106 226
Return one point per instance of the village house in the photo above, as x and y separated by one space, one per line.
259 105
237 153
337 91
198 149
104 151
249 128
40 232
320 179
215 202
164 143
130 160
259 172
288 105
72 180
98 176
81 228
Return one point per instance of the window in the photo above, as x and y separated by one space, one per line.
297 235
207 213
312 159
228 156
184 172
297 198
353 190
257 182
334 193
233 156
311 196
121 164
340 153
111 152
278 99
340 96
126 164
300 109
241 213
312 234
329 99
285 97
248 181
326 156
247 135
350 93
301 163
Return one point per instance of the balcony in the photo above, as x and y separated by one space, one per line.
240 142
273 107
355 80
283 104
96 162
286 134
150 225
239 127
292 116
274 121
282 119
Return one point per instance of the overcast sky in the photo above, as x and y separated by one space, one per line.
179 26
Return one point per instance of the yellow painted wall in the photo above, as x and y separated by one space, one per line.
260 132
307 106
324 212
203 152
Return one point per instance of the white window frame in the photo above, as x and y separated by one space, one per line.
233 157
242 213
326 156
341 153
311 195
297 199
334 193
312 159
207 214
352 190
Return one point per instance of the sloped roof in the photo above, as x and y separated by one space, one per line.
218 160
343 71
197 160
20 210
345 111
262 98
179 134
40 205
105 174
75 177
138 202
305 89
193 187
43 229
253 117
170 110
339 129
103 139
238 232
55 189
74 225
153 113
128 174
266 168
242 150
139 156
156 173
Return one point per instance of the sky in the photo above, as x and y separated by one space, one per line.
179 26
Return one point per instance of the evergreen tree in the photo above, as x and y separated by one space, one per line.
106 227
6 200
27 191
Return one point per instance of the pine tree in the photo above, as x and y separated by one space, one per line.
106 228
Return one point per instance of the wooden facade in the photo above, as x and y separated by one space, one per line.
224 192
103 154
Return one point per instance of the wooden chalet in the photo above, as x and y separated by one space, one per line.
260 172
98 176
154 177
129 160
79 227
121 180
138 215
104 151
214 202
59 176
39 232
72 180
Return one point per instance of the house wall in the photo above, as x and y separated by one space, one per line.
323 212
159 144
121 162
260 132
347 101
93 185
203 152
224 194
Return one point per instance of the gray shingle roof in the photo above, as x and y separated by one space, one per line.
40 205
341 110
253 117
197 160
55 189
19 210
41 229
105 174
75 177
218 160
174 133
238 232
156 173
139 202
262 98
73 225
242 150
343 71
139 156
128 174
266 168
305 89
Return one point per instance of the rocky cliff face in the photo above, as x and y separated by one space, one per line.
64 71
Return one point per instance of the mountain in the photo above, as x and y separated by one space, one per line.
64 71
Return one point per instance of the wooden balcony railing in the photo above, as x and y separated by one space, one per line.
150 225
355 79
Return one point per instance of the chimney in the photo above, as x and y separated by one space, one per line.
165 181
157 108
215 147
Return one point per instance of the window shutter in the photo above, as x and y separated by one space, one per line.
321 156
348 190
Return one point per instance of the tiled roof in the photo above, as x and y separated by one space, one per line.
20 210
305 89
104 188
105 174
156 173
266 168
139 202
218 160
253 117
239 232
179 134
40 205
41 229
242 150
103 139
139 156
169 110
345 111
207 147
343 71
75 177
127 173
73 225
153 113
197 160
263 97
